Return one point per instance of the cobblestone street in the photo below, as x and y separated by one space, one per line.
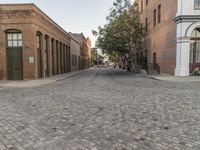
101 109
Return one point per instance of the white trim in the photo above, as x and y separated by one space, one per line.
191 28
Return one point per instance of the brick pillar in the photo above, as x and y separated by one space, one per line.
64 58
59 70
50 57
69 59
60 58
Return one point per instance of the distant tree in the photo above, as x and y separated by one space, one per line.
100 60
114 57
122 32
96 57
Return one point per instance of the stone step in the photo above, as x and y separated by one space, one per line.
152 72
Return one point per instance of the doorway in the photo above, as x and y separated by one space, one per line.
47 55
194 55
39 53
154 60
14 55
195 50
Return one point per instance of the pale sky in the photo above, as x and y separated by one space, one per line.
74 15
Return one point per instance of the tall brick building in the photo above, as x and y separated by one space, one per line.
85 53
32 45
75 53
171 37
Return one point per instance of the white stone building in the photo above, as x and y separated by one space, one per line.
188 36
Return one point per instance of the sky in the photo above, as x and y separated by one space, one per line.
74 16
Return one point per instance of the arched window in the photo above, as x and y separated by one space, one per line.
39 40
196 4
47 55
14 38
39 54
196 33
195 47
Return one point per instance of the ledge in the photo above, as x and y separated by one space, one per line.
186 18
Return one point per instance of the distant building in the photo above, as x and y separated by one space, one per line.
85 52
75 53
33 46
171 42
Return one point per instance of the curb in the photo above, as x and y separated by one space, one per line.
148 77
73 75
43 81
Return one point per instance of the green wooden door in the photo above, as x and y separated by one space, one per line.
39 54
47 56
39 63
15 63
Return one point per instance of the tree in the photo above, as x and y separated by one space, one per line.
122 33
114 57
94 56
97 59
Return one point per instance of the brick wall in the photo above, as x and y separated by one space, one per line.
160 39
85 50
75 54
29 20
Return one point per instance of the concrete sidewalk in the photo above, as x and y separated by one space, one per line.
190 79
39 82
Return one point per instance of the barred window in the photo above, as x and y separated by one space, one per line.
147 2
159 13
146 24
154 17
141 5
196 4
197 52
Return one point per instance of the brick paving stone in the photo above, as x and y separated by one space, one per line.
101 109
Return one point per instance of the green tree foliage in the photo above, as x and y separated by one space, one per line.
122 32
97 59
114 57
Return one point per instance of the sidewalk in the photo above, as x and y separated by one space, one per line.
40 82
190 79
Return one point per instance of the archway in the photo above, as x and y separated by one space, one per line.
39 54
47 55
14 54
187 39
195 49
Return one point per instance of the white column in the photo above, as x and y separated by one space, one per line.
179 8
182 57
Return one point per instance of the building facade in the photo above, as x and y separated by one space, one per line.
75 53
33 46
170 40
85 51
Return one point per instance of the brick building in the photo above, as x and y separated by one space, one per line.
75 53
85 52
171 37
32 45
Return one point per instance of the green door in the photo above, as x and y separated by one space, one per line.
52 55
15 63
39 63
47 56
47 63
57 58
39 54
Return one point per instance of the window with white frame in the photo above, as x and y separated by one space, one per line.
196 4
14 39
